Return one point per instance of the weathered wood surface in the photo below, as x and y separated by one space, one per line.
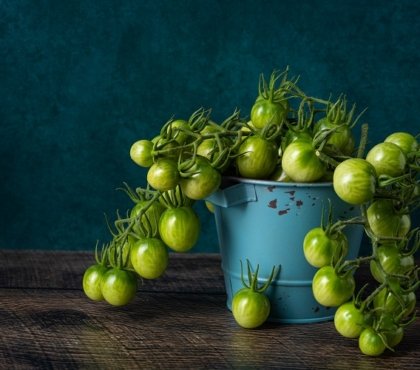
179 321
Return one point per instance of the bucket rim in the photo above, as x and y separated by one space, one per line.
273 183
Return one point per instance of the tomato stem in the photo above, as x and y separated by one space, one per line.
372 296
253 278
326 159
363 140
349 266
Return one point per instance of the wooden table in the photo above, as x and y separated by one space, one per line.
178 321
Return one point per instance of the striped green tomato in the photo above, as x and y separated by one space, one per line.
404 140
301 163
388 159
354 181
331 289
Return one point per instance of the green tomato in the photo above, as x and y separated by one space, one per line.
392 261
340 141
393 332
177 129
321 249
168 148
293 135
394 336
179 228
388 159
370 343
265 112
376 271
354 181
385 221
209 149
301 163
119 286
204 181
349 321
330 289
141 153
163 175
404 140
250 308
386 301
149 257
211 127
92 281
257 158
153 214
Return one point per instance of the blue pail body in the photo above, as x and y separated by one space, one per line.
266 222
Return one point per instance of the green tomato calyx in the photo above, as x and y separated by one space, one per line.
252 283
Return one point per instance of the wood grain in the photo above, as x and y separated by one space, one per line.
47 322
64 270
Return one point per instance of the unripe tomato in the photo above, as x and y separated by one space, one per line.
341 141
175 128
321 249
392 261
349 321
393 332
119 286
141 153
293 135
330 289
153 214
404 140
257 158
207 148
385 221
149 257
265 112
211 127
92 281
388 159
386 301
166 148
179 228
354 181
163 174
370 343
301 163
204 180
250 308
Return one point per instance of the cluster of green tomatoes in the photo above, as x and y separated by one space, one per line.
385 185
289 137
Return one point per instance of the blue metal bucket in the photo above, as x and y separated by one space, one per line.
266 222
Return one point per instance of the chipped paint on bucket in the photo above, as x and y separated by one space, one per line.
266 222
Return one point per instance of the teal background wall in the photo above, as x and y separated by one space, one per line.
80 81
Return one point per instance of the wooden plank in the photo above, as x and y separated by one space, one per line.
179 321
58 329
64 270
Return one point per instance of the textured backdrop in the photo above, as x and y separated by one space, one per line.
80 81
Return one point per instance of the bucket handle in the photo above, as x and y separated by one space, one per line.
234 195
